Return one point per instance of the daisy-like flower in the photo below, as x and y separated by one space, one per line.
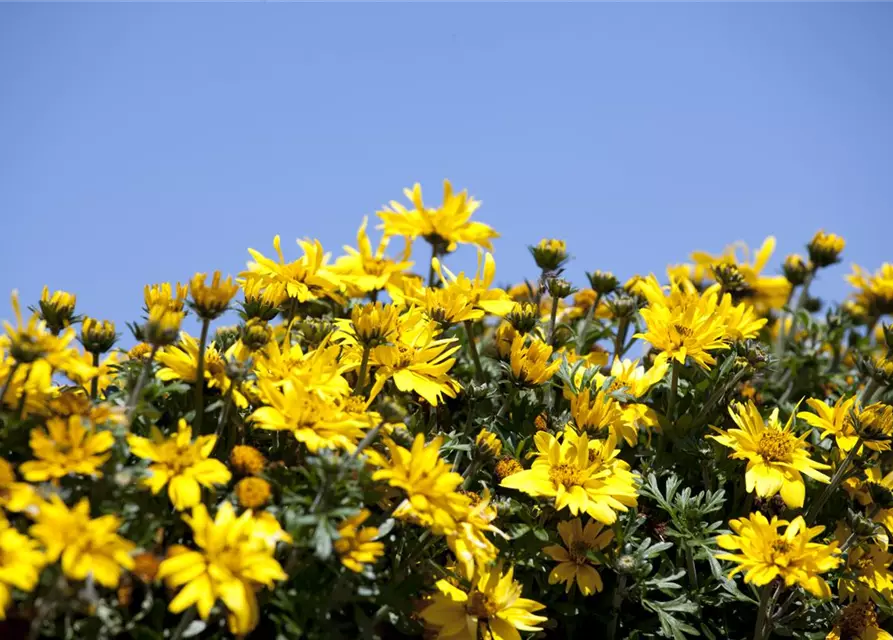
834 421
180 362
874 292
364 270
530 364
594 410
319 371
20 564
211 301
66 446
586 477
766 550
776 457
432 499
740 320
867 574
57 309
492 608
478 290
86 546
305 279
858 621
825 248
166 295
574 564
446 306
233 562
316 422
631 378
14 496
469 542
356 545
683 324
182 464
445 227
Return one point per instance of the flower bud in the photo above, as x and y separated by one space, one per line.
211 301
256 333
163 325
560 288
624 306
550 254
488 443
374 323
825 249
795 269
98 336
731 280
602 282
523 317
57 310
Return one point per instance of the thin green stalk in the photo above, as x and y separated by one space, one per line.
581 339
135 394
472 347
185 621
431 271
674 382
868 392
552 317
616 604
200 377
224 413
690 563
762 629
836 479
779 339
801 302
620 338
715 397
361 376
94 385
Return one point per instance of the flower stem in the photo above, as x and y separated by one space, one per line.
620 338
200 377
185 621
361 376
616 603
762 629
801 302
581 339
431 272
836 479
552 318
94 385
674 382
868 392
135 394
472 347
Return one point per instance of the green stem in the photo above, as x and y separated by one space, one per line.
616 604
767 601
224 414
692 571
801 302
361 376
431 271
836 479
620 338
185 621
135 394
472 347
94 385
779 339
200 377
552 317
581 339
12 373
674 382
715 397
868 392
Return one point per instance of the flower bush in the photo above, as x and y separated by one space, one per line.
382 447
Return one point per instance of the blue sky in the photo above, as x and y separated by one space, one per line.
144 142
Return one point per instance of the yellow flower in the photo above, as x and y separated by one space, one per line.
314 421
233 563
683 324
86 547
507 467
103 373
210 302
169 296
574 565
875 423
307 278
469 542
776 457
765 553
356 545
874 292
595 410
319 371
488 442
375 323
446 306
364 270
57 310
20 564
98 336
417 361
740 320
28 343
162 325
180 463
444 227
858 621
66 446
477 290
586 477
14 496
876 489
180 362
253 492
530 363
247 460
825 248
430 486
261 301
835 420
492 608
871 578
631 378
549 254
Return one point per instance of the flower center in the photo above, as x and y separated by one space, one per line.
856 619
781 546
577 552
480 606
775 446
682 330
215 366
374 266
566 474
404 356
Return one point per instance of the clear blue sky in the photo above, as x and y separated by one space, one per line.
141 142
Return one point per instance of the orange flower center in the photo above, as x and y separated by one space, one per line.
775 446
566 474
577 552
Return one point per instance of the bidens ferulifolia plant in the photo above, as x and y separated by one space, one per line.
379 454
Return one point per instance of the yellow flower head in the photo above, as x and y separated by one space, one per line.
139 351
869 566
586 477
210 301
432 499
375 323
835 421
550 254
492 607
507 467
234 561
594 410
66 446
766 550
875 424
162 325
305 279
181 463
253 492
776 457
574 564
20 564
479 291
364 270
14 496
57 309
740 320
858 621
30 342
445 227
445 306
167 295
874 292
180 362
489 443
825 248
796 269
356 545
98 336
86 546
530 363
246 460
261 301
469 542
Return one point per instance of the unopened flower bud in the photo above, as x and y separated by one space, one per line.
523 317
795 269
560 288
57 309
550 254
602 282
256 333
825 249
98 336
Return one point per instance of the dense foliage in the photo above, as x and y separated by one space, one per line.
374 453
